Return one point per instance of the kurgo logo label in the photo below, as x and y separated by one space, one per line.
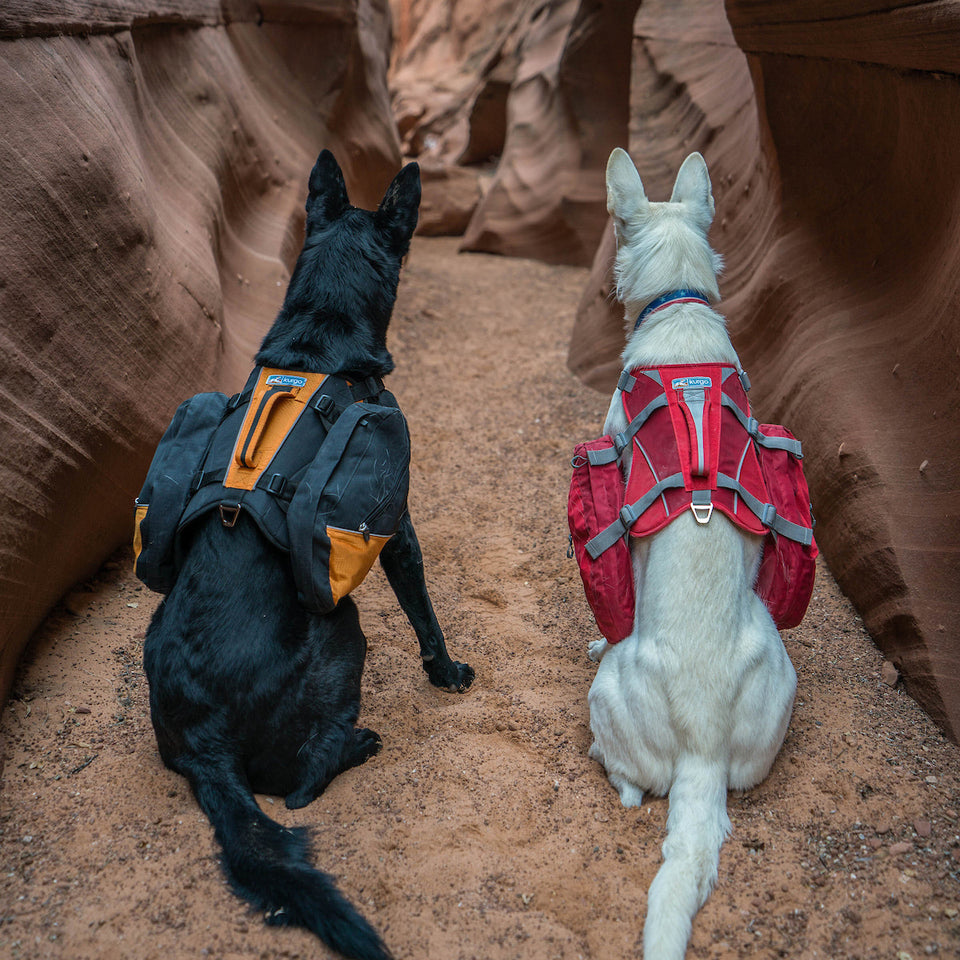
691 382
285 380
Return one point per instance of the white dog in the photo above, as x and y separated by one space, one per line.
696 700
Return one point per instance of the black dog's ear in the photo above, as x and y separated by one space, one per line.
399 208
327 199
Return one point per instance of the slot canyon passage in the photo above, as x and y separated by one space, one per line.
153 207
482 830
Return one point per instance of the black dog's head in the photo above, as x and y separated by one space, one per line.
338 305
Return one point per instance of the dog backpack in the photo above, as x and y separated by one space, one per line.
168 487
696 446
596 496
320 467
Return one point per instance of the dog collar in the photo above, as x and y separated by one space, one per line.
668 299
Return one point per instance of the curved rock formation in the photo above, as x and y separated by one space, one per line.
837 196
152 197
567 108
542 88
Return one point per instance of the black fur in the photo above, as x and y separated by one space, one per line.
249 692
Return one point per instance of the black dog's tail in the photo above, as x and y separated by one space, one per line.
268 865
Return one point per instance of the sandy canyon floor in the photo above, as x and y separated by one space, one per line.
482 830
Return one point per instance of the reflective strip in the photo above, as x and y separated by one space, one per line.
695 399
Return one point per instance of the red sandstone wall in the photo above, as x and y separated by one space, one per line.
541 90
154 163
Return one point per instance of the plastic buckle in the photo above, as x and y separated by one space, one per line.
702 512
277 482
229 513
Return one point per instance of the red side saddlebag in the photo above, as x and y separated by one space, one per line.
596 496
788 568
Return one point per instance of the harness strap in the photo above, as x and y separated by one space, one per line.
629 514
622 440
276 483
365 389
767 514
752 426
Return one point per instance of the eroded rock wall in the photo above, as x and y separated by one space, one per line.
838 199
532 97
154 164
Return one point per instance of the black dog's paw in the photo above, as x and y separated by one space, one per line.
368 744
299 798
449 675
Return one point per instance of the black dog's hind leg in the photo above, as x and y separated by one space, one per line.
327 754
402 562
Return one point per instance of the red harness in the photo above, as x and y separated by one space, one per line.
695 446
689 430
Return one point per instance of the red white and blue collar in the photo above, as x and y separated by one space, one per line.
669 299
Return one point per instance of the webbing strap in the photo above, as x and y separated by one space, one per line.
622 440
767 514
629 513
365 389
752 426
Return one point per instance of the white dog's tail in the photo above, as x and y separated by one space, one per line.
697 824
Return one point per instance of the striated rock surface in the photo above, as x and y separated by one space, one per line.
519 85
566 109
154 171
449 197
838 199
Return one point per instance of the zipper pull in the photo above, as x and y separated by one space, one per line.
365 530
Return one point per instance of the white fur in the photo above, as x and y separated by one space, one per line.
696 700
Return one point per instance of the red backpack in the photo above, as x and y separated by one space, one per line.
696 447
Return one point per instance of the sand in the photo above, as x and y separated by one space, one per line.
482 830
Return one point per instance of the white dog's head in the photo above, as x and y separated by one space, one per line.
661 246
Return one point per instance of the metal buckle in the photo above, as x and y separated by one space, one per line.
229 513
702 512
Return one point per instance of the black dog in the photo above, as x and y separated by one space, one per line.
249 691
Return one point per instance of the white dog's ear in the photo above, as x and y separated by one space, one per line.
692 187
625 193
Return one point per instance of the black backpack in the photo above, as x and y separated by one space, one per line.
320 462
